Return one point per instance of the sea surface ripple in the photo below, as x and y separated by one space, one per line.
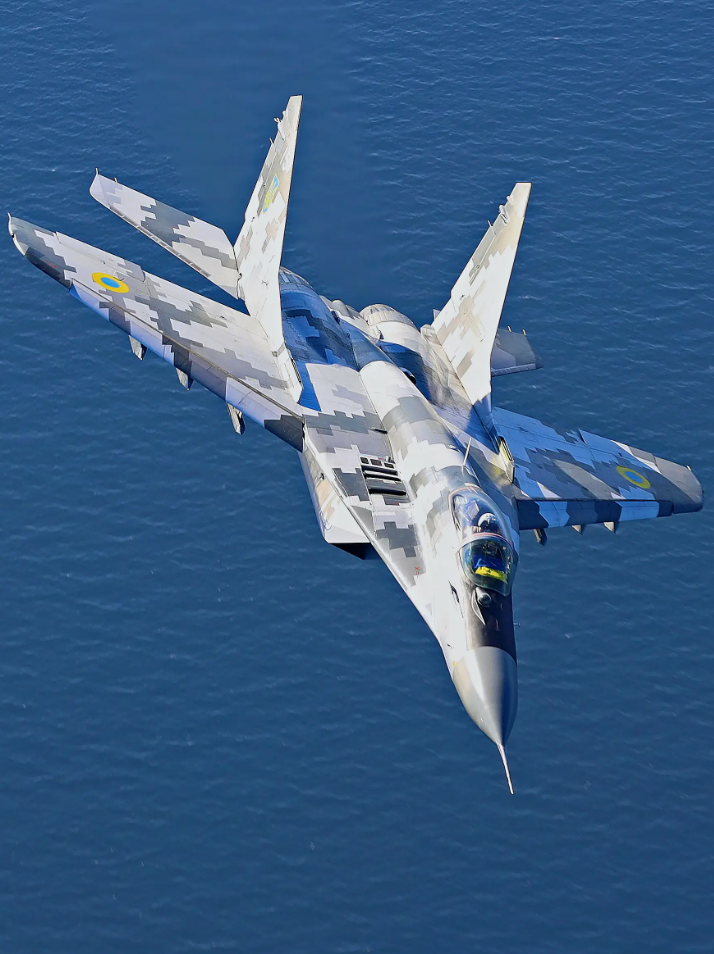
220 734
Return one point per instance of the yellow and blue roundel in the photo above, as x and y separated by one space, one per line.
110 282
271 193
634 477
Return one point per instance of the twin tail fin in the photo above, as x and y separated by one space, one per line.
248 269
467 325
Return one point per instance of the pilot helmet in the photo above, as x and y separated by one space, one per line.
488 523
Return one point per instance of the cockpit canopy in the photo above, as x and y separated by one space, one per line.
488 561
486 553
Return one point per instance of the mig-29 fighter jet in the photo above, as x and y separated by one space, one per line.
401 448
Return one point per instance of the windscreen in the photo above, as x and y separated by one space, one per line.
487 561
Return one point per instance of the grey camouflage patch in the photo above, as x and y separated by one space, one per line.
200 245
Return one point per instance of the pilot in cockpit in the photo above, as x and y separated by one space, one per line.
488 523
486 555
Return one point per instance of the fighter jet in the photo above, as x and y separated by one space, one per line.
402 450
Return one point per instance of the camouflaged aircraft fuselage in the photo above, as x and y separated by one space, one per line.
402 451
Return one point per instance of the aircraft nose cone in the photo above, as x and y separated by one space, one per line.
487 683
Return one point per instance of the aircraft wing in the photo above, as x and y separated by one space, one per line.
221 348
573 478
228 352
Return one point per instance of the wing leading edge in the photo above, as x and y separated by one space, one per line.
220 347
228 352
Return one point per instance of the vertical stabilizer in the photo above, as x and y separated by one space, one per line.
259 246
467 325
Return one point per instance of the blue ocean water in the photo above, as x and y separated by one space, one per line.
220 734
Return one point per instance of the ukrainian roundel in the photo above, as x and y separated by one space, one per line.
634 478
110 282
271 193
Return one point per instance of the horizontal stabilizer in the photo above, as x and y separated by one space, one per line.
204 247
511 353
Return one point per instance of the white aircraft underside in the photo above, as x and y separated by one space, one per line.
399 444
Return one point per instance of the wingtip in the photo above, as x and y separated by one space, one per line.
293 109
12 227
96 187
502 753
519 197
